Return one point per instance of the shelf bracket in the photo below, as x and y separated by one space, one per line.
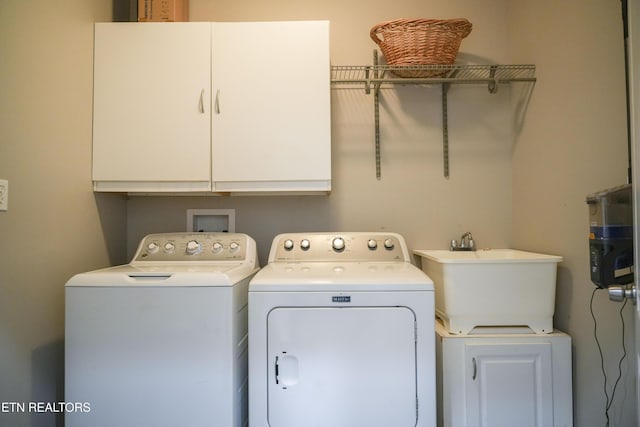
445 130
376 115
376 101
367 83
493 84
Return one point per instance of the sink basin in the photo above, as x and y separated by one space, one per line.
495 287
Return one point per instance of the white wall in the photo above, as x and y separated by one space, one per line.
521 189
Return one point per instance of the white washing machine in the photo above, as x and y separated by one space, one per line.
162 341
341 331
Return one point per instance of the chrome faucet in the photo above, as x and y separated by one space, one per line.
466 243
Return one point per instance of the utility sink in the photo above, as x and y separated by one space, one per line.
494 287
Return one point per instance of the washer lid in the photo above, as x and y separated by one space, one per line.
331 276
165 274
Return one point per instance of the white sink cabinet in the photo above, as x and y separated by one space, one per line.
212 107
503 377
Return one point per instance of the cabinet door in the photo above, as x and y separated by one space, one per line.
152 105
509 385
271 106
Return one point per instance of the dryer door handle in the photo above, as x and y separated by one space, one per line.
286 370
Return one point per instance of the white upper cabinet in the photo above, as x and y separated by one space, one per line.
223 107
151 129
271 115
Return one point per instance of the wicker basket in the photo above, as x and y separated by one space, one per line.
410 42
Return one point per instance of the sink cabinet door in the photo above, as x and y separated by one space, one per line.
504 379
509 385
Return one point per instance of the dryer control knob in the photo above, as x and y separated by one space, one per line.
169 247
234 246
305 244
388 244
338 244
217 247
372 244
152 248
288 244
193 247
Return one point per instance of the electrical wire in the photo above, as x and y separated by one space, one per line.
609 399
624 355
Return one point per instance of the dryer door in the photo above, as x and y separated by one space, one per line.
342 367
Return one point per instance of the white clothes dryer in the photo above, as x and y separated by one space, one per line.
162 341
341 334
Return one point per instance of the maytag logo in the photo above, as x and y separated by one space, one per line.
341 298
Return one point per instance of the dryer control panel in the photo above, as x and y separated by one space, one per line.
193 247
347 247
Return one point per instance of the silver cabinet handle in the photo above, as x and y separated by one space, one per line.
201 103
218 101
475 369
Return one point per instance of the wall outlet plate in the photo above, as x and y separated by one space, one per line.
4 195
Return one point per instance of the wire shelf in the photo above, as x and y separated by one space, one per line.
379 75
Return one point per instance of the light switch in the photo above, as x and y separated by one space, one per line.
4 195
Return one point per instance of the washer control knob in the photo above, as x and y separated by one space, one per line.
338 244
217 247
305 244
288 244
234 246
169 247
372 244
388 244
152 248
193 247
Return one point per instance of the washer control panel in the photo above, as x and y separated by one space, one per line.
192 247
355 246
